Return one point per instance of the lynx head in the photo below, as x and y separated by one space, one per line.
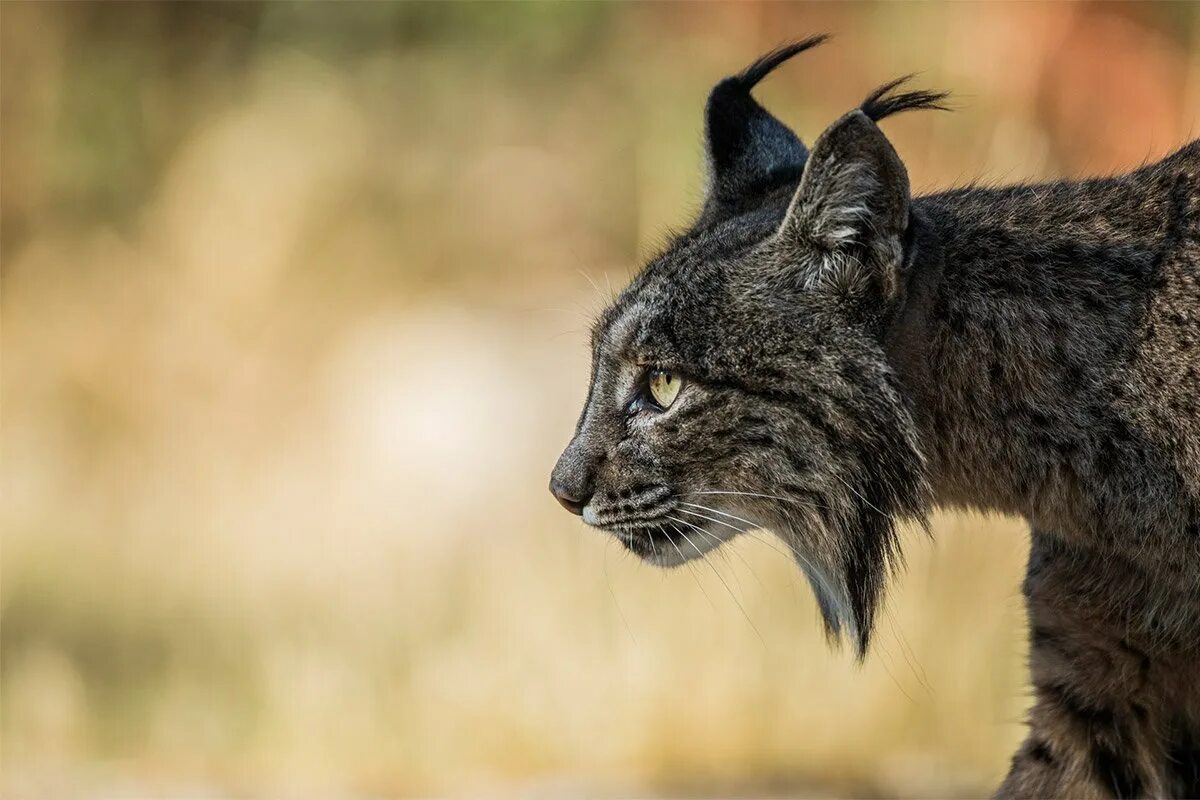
740 381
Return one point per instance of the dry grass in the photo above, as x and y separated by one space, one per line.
295 303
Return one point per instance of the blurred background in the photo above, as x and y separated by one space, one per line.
295 304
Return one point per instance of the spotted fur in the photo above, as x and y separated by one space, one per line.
854 356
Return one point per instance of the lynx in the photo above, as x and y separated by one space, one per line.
823 355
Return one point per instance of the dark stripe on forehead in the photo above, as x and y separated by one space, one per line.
691 251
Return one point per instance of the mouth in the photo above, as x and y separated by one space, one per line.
668 542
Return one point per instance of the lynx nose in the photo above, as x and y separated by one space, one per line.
571 499
573 480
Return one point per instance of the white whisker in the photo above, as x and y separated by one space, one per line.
737 553
711 519
683 560
595 286
860 497
751 531
616 603
793 500
724 583
723 514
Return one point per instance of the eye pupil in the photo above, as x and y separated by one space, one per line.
664 387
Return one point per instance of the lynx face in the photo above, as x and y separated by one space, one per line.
740 381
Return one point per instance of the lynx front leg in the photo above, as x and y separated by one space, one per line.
1114 710
1078 751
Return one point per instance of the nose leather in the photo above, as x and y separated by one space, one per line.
573 480
572 501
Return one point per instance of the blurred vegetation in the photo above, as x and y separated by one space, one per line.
295 299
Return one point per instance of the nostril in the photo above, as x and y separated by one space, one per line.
571 501
572 505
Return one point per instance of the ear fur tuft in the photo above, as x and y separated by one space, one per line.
880 103
748 78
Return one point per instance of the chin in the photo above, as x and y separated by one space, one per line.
670 544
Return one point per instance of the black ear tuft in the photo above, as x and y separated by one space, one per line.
748 149
881 104
751 75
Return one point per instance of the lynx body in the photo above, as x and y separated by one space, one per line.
824 355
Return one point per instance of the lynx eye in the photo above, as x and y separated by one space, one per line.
664 387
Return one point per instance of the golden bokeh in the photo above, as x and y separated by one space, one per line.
295 312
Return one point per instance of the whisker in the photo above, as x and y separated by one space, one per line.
723 514
792 556
856 492
906 650
751 532
887 662
588 278
685 536
737 553
721 578
793 500
747 494
616 603
711 519
683 560
795 554
748 531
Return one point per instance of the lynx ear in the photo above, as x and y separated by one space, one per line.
749 150
846 223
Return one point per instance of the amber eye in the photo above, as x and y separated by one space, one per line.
664 387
